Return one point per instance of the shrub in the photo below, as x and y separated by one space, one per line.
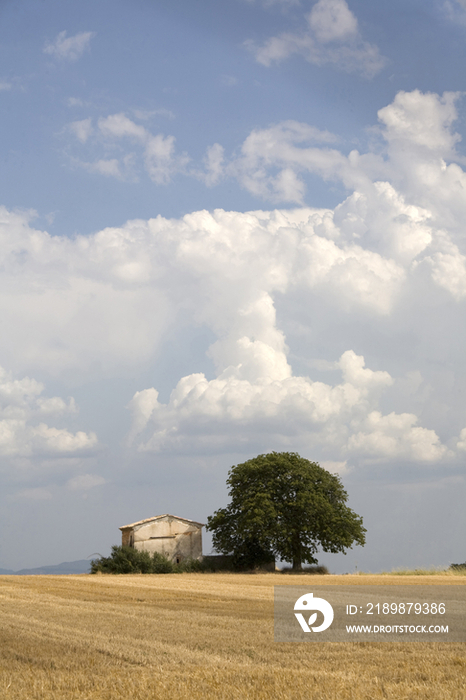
322 570
161 565
126 560
458 567
190 566
217 562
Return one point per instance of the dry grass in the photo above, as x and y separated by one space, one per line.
421 572
198 636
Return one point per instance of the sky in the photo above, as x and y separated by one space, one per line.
230 227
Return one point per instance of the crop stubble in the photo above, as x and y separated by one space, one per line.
198 636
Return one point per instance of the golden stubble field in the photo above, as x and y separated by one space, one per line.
193 636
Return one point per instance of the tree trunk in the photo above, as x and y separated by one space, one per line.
296 550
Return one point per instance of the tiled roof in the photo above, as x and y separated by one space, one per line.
157 517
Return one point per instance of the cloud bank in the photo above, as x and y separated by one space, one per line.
328 327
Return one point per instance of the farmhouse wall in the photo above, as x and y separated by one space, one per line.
176 538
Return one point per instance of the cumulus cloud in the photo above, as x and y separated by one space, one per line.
82 303
111 167
161 160
332 20
422 120
157 152
118 126
340 468
373 286
21 406
259 398
331 37
396 436
69 48
409 206
285 147
417 162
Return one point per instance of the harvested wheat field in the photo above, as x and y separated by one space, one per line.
198 636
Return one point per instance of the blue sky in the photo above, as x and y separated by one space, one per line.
229 228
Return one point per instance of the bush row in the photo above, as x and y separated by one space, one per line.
126 560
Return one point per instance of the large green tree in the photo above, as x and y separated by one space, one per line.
284 506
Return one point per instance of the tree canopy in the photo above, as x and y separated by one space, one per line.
284 506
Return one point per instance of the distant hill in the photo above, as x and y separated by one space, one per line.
81 566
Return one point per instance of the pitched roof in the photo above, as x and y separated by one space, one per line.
157 517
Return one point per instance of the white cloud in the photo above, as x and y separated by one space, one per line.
110 167
388 261
82 129
56 405
259 399
157 152
69 48
423 120
214 165
396 436
5 85
407 208
72 304
118 126
21 405
461 444
332 20
331 36
282 146
340 468
419 177
160 159
449 270
107 300
60 441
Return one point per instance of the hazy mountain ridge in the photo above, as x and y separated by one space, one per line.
81 566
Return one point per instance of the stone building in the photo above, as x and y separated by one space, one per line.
175 538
